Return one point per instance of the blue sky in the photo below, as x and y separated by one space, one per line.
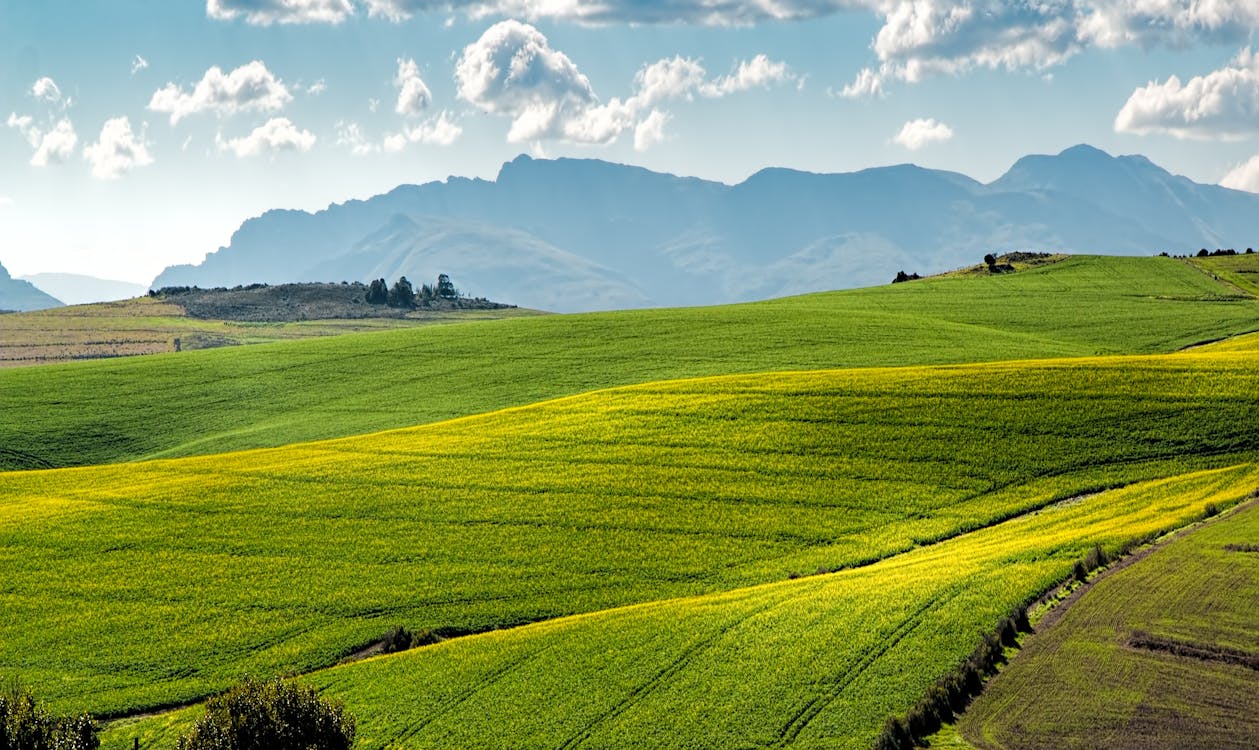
140 133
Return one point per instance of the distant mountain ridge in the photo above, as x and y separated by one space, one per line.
19 296
576 234
77 289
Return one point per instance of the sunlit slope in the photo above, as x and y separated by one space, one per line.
815 662
1198 596
267 395
197 569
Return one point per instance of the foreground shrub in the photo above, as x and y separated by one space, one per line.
271 715
27 725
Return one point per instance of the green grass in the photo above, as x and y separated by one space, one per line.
1242 271
1080 684
812 663
267 395
197 569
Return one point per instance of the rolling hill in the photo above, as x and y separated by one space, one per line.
190 403
571 235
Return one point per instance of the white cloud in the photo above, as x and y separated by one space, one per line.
45 89
52 146
249 87
25 124
759 72
118 151
138 64
267 12
317 88
1221 104
867 83
56 145
413 96
277 134
1244 176
512 71
650 131
351 135
922 132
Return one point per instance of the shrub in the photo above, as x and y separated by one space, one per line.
397 639
27 725
270 715
1210 510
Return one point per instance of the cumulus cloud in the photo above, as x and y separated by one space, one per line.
52 145
1244 176
267 12
1221 104
922 132
413 96
512 71
277 134
249 87
45 89
441 130
138 64
650 131
118 151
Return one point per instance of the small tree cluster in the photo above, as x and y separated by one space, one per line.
953 692
403 294
270 715
25 724
901 276
1093 559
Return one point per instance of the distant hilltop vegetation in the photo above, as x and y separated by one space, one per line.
284 303
572 235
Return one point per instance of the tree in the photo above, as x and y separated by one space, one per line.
377 292
1203 253
402 295
446 288
990 260
27 725
270 715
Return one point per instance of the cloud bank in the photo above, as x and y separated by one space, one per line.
512 71
1223 104
250 87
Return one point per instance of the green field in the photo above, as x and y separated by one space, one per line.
268 395
290 558
746 526
815 662
1093 678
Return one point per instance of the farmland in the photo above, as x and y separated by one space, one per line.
290 558
1162 654
815 662
189 403
148 325
748 526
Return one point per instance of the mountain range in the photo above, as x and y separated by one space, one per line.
19 295
578 234
77 289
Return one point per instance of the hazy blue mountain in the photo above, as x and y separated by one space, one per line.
576 234
76 289
19 295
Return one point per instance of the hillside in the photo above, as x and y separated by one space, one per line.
571 235
291 558
154 325
190 403
17 295
1176 630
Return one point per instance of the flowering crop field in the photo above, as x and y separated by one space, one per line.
266 395
135 585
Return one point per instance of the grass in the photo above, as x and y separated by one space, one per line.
816 662
1088 681
290 558
197 403
1242 271
146 325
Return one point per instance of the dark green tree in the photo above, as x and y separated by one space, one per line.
377 292
27 725
445 287
271 715
402 295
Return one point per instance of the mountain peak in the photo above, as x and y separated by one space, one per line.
1084 151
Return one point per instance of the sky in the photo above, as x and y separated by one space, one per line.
138 134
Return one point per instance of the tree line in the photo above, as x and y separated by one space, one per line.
403 294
